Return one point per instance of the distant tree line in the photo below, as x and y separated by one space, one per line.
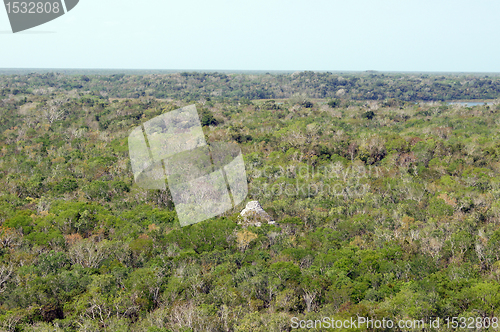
220 86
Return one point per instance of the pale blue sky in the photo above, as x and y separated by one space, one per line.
385 35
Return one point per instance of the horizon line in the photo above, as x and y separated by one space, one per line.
29 70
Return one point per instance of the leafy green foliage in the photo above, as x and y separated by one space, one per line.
385 205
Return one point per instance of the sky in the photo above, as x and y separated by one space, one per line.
322 35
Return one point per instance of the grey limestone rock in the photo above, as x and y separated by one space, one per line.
254 214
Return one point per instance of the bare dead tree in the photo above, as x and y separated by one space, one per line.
309 297
87 253
5 274
183 314
352 150
9 237
54 112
